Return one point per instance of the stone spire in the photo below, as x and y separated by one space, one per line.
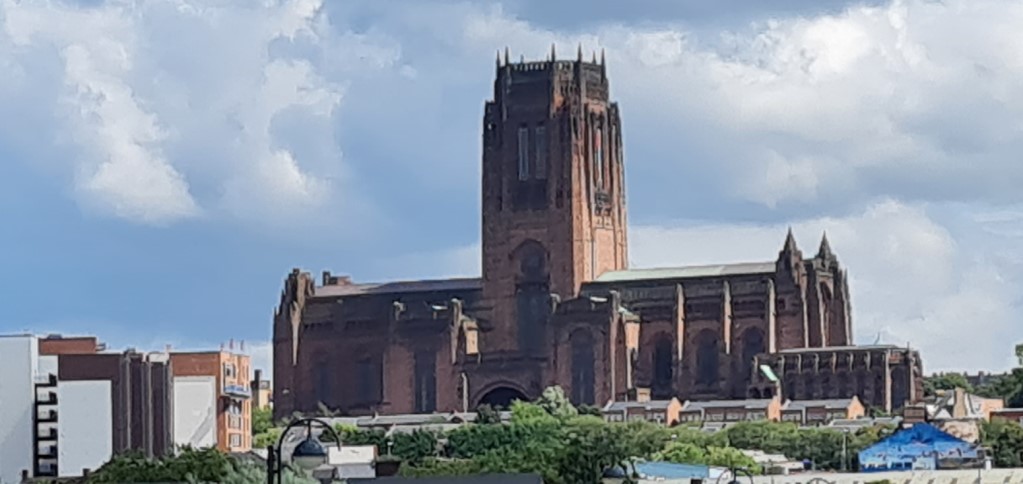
825 250
790 243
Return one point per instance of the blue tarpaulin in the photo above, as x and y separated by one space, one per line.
921 446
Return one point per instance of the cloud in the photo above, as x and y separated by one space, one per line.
912 281
828 110
171 109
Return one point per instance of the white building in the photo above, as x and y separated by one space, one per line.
61 415
18 376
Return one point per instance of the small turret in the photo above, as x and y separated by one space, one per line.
825 250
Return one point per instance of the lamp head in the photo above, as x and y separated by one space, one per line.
309 454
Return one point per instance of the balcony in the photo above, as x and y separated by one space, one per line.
48 452
48 434
47 416
236 391
46 398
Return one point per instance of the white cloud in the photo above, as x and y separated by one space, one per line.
891 100
173 107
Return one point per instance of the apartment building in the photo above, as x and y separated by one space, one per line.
212 400
66 407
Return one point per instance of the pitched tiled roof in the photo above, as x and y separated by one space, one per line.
830 404
713 404
651 405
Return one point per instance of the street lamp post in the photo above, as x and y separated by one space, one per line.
308 454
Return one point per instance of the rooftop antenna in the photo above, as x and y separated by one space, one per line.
877 340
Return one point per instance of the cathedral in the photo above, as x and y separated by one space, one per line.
556 303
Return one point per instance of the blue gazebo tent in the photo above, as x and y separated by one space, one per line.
922 446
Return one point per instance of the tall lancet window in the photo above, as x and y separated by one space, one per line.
598 153
523 153
541 152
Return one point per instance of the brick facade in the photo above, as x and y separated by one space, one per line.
556 303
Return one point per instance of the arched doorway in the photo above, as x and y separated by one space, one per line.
501 398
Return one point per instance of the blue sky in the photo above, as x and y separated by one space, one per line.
165 163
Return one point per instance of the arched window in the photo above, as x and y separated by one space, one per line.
532 294
582 368
752 345
661 386
707 358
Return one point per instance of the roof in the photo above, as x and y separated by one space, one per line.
841 348
477 479
688 272
432 285
920 439
667 470
834 403
744 404
650 405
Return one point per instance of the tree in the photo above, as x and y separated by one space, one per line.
946 381
262 420
487 415
556 403
1005 439
190 465
687 453
590 410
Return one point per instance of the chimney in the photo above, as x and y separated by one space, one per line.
959 407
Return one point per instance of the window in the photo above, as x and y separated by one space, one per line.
541 152
425 381
707 358
523 153
598 154
662 368
236 440
582 368
369 377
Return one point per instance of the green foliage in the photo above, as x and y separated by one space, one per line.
823 446
487 415
1005 441
267 438
522 412
416 446
590 410
190 465
946 381
262 420
440 467
556 403
687 453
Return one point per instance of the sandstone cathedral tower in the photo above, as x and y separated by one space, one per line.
556 303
